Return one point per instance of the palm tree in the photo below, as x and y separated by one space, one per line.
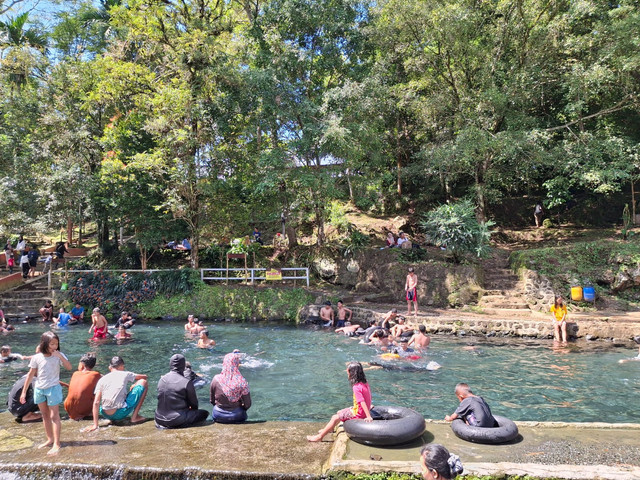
16 39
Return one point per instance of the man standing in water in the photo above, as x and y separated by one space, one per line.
410 287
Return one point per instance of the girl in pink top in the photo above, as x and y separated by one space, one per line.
361 402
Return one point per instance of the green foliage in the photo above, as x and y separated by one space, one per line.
114 292
338 218
355 241
455 227
547 223
229 302
581 262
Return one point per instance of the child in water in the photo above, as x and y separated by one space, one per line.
47 392
204 341
361 402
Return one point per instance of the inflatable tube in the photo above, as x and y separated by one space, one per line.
504 432
389 356
391 426
238 415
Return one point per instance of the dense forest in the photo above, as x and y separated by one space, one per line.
200 118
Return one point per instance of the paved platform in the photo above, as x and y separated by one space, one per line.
280 450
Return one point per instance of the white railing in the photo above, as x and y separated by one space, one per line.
251 274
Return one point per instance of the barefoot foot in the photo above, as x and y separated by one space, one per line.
54 450
138 419
45 444
314 438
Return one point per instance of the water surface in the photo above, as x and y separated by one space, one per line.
297 373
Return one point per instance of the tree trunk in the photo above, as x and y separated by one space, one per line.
143 257
291 236
633 202
347 173
69 231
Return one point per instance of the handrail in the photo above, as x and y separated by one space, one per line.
252 274
251 271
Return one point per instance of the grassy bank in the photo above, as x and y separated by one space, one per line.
238 303
596 262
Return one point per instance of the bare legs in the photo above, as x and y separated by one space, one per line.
415 307
335 420
52 427
135 418
560 332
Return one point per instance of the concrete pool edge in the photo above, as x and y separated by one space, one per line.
279 450
341 458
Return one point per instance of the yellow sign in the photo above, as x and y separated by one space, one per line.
274 274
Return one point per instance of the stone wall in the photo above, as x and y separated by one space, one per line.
380 272
538 290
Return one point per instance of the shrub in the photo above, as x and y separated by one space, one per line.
114 292
547 223
455 227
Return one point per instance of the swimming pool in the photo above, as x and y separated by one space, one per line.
298 373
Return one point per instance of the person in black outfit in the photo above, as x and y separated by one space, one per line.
177 399
61 249
125 320
24 412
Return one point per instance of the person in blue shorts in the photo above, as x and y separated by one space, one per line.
112 399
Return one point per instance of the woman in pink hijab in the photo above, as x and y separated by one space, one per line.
229 392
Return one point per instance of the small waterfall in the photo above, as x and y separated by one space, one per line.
53 471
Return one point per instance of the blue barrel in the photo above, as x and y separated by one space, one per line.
589 294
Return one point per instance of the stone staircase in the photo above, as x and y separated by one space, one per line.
503 289
25 301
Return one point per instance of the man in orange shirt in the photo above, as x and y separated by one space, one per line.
79 401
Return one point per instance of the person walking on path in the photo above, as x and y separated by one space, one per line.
538 214
411 290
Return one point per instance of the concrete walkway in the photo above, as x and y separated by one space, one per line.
279 450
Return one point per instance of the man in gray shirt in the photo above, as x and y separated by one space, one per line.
472 409
112 399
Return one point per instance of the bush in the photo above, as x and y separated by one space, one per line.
455 227
214 301
114 292
547 223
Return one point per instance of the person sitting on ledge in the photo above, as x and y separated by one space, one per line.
113 400
47 311
472 409
24 412
177 399
79 401
229 392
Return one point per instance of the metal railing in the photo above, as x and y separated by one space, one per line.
250 274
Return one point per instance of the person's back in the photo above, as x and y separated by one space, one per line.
79 401
23 412
420 338
472 409
177 399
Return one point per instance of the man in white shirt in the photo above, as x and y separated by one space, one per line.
112 399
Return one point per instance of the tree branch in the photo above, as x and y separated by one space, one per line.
619 106
4 10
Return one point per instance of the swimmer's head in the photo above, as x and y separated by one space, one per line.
204 334
394 310
5 350
340 302
327 303
463 390
422 329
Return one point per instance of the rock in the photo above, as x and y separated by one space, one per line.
591 338
462 333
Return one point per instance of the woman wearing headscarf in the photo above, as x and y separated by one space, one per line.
177 399
229 393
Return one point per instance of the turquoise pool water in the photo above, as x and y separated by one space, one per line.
298 373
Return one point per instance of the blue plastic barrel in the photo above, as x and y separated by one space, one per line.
589 294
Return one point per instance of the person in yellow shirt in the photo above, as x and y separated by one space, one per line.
559 310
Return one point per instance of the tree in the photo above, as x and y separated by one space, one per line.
17 44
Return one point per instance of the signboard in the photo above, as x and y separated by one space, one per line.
273 274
